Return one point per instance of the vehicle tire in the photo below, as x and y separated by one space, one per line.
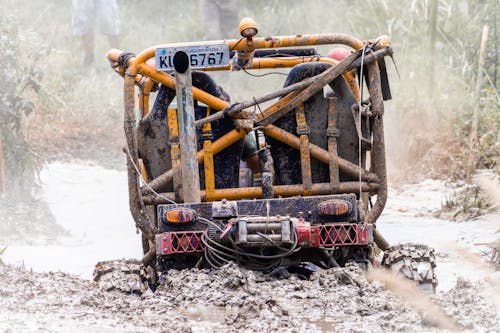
125 275
415 262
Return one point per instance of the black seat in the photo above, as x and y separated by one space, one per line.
287 159
154 147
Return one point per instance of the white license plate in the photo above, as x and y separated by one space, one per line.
200 56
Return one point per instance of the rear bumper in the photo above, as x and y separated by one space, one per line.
317 236
307 222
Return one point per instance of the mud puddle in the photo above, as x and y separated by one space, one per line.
91 203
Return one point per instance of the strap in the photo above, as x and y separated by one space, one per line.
206 130
305 156
302 128
333 133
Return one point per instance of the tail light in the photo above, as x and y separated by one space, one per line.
180 215
335 207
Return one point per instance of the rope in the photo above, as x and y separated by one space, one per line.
257 106
358 124
145 183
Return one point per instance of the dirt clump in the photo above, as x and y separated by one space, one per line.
466 300
229 300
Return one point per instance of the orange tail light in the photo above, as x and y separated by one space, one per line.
180 215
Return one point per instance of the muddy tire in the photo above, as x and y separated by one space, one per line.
414 261
127 276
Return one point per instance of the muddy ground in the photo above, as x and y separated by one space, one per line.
233 300
33 299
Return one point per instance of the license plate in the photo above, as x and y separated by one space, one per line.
200 56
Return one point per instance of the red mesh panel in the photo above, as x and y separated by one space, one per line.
342 234
181 242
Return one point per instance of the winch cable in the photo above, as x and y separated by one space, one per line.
209 258
271 241
217 254
216 260
238 250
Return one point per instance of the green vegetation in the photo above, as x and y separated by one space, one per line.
434 97
19 76
465 203
436 42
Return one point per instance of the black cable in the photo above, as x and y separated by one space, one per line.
289 251
264 74
218 254
271 241
123 59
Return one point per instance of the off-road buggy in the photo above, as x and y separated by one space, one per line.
322 182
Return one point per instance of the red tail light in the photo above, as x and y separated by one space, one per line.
335 207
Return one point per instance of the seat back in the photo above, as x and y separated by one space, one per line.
153 136
287 159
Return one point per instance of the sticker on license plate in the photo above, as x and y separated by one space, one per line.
200 56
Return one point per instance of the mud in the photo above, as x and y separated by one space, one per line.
232 300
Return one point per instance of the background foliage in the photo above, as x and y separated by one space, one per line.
56 108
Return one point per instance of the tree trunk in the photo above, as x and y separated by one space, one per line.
473 140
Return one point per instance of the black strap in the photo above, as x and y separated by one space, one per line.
124 58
